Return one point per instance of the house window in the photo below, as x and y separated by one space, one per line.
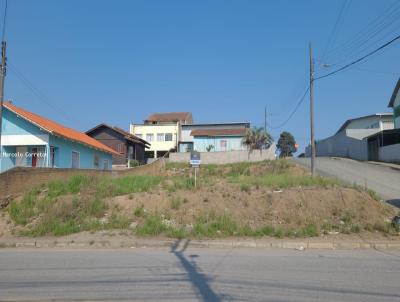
149 137
105 164
223 144
168 137
96 161
120 148
75 160
160 137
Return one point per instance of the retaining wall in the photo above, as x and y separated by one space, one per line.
21 179
226 157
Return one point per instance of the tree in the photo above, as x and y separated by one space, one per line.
257 138
286 144
209 148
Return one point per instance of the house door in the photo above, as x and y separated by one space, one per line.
75 160
34 157
373 150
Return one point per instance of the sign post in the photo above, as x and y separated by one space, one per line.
195 162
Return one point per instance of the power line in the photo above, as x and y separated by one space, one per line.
365 46
40 95
360 59
380 23
335 27
293 112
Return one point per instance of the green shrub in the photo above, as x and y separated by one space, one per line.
211 226
139 211
310 230
96 208
152 226
23 211
134 163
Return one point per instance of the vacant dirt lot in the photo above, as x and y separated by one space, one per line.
272 198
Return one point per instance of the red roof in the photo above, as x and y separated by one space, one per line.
57 129
218 132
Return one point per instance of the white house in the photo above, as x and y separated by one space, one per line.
162 131
350 140
385 145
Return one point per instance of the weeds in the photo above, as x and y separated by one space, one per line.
245 187
139 211
152 226
109 187
176 203
285 180
179 183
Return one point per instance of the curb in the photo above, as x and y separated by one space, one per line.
384 164
297 245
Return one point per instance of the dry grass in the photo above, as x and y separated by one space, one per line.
271 198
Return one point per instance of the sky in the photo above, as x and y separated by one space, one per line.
82 63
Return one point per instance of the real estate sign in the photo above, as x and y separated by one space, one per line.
195 160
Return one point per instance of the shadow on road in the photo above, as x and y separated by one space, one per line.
198 279
394 202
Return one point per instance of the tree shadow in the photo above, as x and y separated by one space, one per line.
198 279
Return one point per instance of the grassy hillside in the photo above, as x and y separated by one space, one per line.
272 198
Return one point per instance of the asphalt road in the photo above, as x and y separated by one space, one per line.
199 275
382 179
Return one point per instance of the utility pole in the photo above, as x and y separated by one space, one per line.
265 119
312 113
2 76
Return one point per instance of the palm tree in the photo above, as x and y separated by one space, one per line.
256 138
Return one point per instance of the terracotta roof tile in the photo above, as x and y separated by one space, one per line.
57 129
218 132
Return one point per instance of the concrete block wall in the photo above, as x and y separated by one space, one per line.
226 157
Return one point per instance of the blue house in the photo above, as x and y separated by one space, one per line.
29 140
213 137
218 140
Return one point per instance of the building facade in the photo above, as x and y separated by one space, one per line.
213 137
385 145
394 103
351 139
128 146
29 140
162 131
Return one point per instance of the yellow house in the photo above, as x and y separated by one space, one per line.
162 131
